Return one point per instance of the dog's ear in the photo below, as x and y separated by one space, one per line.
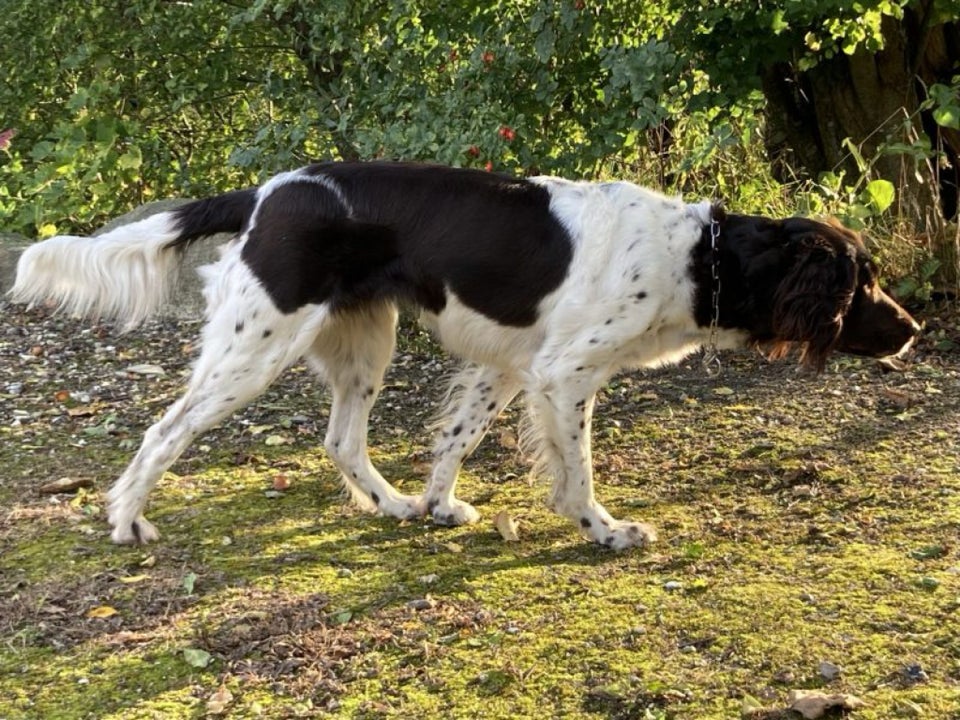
811 301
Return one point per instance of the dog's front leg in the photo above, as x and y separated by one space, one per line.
562 410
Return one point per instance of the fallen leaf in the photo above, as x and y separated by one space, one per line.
64 484
723 390
259 429
146 369
102 611
506 526
897 397
750 706
61 395
341 618
81 411
197 658
908 708
813 704
51 609
281 482
217 703
131 579
508 439
276 440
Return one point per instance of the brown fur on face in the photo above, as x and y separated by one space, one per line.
811 302
830 300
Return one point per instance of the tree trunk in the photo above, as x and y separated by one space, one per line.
871 99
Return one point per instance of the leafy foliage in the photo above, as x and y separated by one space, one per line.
114 103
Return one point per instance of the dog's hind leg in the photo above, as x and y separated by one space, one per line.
478 396
352 353
246 343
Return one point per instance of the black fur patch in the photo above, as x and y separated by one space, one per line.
411 231
755 255
225 213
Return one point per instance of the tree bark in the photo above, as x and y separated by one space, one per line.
871 99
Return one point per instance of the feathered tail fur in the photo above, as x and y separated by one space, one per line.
127 273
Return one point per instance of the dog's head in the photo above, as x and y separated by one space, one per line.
830 300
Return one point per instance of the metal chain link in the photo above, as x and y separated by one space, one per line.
711 356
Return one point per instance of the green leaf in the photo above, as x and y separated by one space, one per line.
879 194
544 44
947 116
341 618
189 580
854 151
928 552
778 24
131 159
197 658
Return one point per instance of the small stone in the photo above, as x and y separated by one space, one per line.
344 573
421 604
428 579
828 671
914 673
672 585
785 677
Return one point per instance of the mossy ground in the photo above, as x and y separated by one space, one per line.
802 519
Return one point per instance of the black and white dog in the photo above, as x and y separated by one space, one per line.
543 285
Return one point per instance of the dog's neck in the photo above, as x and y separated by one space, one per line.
743 256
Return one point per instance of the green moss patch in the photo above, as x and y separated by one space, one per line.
803 520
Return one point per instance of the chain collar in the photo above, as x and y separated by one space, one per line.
711 356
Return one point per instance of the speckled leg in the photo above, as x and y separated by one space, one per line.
485 392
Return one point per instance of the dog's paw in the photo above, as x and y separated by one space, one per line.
402 507
138 532
620 535
454 512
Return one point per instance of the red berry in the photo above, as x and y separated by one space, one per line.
488 57
507 133
473 151
488 167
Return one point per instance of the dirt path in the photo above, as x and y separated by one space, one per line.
804 519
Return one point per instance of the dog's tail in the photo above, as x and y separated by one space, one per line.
126 273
